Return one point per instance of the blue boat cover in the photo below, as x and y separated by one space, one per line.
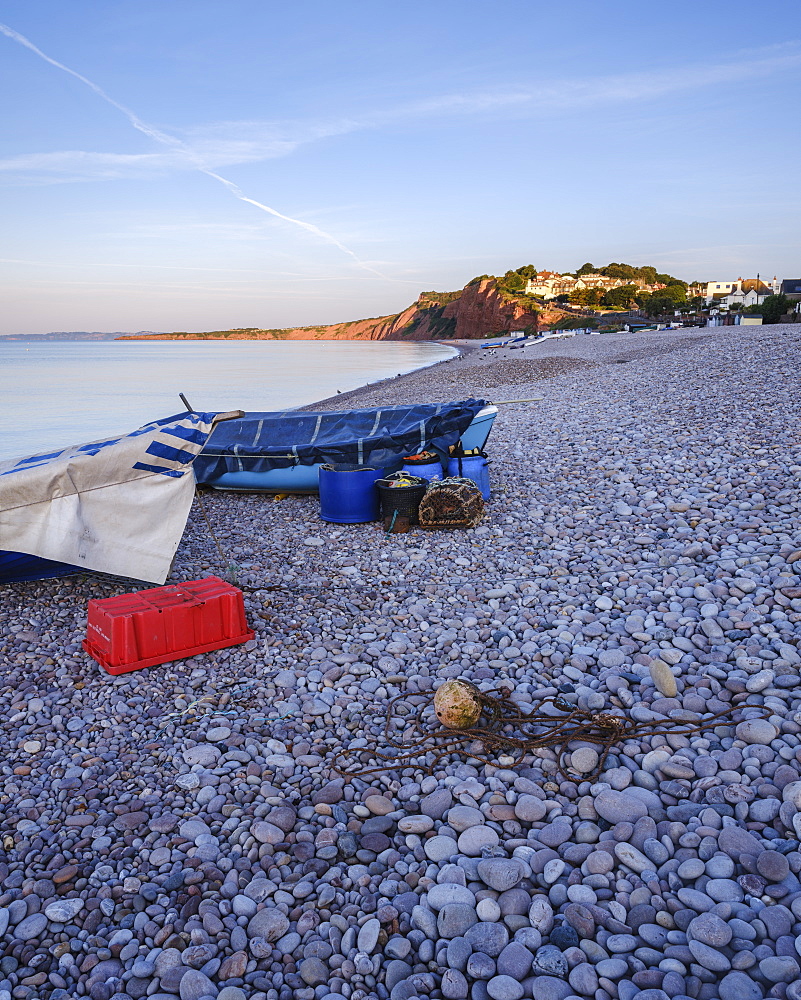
378 438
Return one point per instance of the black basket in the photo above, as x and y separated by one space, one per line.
403 499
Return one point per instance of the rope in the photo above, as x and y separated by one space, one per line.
206 698
503 719
230 565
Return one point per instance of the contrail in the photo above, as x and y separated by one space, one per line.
175 144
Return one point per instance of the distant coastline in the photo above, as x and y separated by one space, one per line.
76 335
525 300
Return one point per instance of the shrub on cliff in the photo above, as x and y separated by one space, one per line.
514 282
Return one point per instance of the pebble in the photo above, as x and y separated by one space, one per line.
367 938
30 927
739 986
584 760
474 840
773 866
640 557
619 807
515 960
270 924
710 958
663 678
447 892
195 985
500 873
455 919
530 809
63 910
488 938
440 848
633 858
505 988
710 929
757 731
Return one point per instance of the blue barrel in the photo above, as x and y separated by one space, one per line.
349 496
425 470
475 467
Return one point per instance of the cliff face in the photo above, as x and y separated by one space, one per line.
482 310
479 310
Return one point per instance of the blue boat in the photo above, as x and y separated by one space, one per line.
282 452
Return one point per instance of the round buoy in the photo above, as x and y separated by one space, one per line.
457 704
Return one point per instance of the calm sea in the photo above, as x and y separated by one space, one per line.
56 394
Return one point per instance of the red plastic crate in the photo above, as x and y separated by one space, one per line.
166 623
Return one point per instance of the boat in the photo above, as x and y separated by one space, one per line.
116 506
282 452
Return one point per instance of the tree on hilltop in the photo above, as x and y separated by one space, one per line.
624 271
619 298
675 292
512 282
668 279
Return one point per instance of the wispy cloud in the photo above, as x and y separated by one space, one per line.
217 145
623 88
214 146
182 149
83 265
78 165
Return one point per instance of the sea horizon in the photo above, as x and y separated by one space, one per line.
60 393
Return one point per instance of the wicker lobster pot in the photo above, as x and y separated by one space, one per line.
451 503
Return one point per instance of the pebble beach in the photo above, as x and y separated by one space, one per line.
183 831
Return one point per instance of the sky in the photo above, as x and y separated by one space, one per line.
202 165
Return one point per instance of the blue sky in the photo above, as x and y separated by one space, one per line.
200 165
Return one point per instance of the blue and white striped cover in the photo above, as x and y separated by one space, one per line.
116 506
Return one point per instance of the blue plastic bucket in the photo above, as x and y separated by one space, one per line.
475 467
349 496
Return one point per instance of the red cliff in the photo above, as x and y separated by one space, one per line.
478 310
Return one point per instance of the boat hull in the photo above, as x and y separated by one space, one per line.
17 567
305 478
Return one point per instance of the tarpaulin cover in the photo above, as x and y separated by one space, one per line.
380 438
117 506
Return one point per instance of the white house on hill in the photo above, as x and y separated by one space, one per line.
743 291
549 284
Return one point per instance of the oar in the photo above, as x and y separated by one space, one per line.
219 417
505 402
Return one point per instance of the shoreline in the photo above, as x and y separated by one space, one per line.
182 831
460 347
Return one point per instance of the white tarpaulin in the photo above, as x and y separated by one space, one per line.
117 506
